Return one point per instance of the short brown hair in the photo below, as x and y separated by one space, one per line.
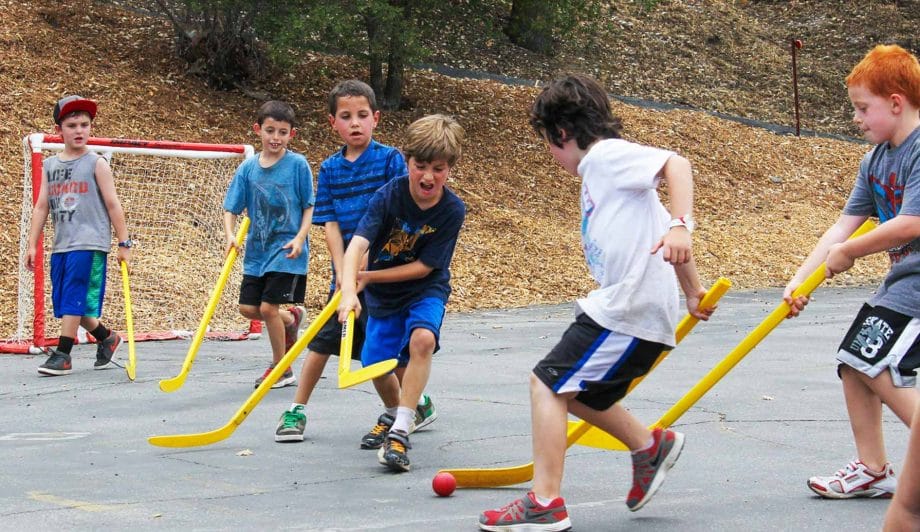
434 137
276 110
887 70
351 87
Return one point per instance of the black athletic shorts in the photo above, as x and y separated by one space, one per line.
273 287
597 363
880 339
329 338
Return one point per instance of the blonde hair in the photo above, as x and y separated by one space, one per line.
434 137
887 70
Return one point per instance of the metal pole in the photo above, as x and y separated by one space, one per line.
795 45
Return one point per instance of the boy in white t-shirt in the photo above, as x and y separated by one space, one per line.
633 246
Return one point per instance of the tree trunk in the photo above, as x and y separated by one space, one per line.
530 27
392 94
375 59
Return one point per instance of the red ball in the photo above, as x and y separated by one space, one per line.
444 484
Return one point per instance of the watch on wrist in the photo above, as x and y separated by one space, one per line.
683 221
126 244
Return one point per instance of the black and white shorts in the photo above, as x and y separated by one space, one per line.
880 339
597 363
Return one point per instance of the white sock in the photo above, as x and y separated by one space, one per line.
422 399
543 501
295 405
404 418
392 411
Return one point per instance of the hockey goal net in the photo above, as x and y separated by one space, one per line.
172 195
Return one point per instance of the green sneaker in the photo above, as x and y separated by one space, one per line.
291 425
425 414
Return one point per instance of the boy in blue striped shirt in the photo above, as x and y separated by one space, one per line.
347 180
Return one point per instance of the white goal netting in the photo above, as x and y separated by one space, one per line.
172 195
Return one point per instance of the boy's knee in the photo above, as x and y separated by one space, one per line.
422 343
250 312
268 310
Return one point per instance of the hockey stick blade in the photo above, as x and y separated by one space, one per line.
214 436
174 383
348 378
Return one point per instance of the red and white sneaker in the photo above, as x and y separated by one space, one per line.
855 480
651 465
526 514
292 331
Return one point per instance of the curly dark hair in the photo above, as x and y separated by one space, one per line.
574 106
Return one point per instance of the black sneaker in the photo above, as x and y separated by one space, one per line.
374 438
105 350
57 364
393 453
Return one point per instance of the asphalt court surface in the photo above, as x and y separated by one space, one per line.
75 456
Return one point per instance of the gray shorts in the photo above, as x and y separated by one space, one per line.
880 339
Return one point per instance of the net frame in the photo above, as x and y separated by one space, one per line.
33 311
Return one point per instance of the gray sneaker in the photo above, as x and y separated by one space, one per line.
57 364
425 414
651 466
291 425
286 379
105 350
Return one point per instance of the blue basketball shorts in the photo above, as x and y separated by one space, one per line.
78 283
388 337
597 363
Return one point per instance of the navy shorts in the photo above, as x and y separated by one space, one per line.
328 339
880 339
273 287
388 337
597 363
78 283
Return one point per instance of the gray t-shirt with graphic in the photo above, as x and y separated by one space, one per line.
888 185
81 221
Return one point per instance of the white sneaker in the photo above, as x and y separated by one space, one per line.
855 480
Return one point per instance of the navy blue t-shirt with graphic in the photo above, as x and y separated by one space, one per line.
400 233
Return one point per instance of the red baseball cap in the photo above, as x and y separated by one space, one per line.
73 104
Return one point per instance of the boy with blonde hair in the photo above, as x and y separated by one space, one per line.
407 237
78 189
880 353
275 188
633 246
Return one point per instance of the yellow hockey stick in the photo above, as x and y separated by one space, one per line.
603 440
131 366
174 383
214 436
348 378
506 476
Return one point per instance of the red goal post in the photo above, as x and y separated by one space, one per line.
172 194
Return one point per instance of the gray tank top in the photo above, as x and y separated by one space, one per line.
81 221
